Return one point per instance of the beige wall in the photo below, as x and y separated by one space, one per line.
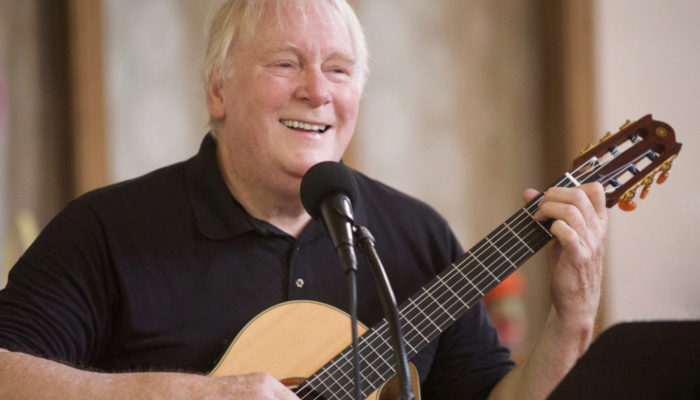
156 112
4 165
451 113
648 58
34 114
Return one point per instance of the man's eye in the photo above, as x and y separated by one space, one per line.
284 65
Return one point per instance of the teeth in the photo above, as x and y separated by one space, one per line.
303 125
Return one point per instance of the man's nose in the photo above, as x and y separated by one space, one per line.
314 88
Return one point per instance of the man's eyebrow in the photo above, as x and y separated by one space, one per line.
343 56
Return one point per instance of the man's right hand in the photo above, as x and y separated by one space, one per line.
255 386
28 377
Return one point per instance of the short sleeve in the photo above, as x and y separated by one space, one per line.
56 303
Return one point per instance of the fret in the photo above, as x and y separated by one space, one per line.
404 318
331 388
518 237
502 254
379 354
438 304
368 375
483 266
468 280
538 223
424 314
456 296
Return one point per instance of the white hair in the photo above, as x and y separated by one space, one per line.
236 21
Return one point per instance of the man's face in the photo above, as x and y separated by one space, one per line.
291 100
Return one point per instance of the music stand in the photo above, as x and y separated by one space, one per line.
638 360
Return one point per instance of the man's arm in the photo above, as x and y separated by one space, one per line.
27 377
576 271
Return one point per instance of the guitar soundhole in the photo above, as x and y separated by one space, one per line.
296 385
308 393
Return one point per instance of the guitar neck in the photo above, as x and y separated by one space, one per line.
622 162
443 300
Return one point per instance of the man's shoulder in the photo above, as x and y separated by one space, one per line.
386 199
163 183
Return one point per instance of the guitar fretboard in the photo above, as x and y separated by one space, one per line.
438 304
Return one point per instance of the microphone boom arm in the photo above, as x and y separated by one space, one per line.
386 294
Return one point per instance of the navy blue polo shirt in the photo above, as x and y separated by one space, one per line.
161 273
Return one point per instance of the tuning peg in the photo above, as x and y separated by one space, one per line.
627 203
664 172
605 137
626 124
647 184
585 149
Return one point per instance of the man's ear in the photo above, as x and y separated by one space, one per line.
215 97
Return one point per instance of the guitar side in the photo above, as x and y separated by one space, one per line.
294 340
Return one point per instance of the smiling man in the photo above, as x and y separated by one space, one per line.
302 82
137 289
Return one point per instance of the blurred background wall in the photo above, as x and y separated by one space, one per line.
468 103
648 61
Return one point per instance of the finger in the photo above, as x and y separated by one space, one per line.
567 213
596 194
575 197
568 238
529 194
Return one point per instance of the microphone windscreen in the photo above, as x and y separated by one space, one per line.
325 179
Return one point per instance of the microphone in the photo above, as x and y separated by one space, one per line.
328 192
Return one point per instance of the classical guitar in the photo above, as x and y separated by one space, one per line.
309 341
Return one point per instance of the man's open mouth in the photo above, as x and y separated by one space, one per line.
304 126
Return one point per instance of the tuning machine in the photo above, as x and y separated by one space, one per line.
627 200
627 203
665 168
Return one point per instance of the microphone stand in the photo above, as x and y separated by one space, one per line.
366 240
346 254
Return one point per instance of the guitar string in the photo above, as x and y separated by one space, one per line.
446 280
446 283
407 318
436 282
379 375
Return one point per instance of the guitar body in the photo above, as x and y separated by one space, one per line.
293 340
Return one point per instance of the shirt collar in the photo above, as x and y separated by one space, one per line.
217 213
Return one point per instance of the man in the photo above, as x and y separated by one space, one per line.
160 273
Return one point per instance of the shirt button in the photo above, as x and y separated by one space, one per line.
300 283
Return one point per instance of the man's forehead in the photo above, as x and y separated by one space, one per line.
275 29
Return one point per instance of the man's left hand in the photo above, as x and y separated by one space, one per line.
576 259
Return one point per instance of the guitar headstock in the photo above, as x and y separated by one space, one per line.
630 159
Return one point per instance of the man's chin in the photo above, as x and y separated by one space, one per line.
306 163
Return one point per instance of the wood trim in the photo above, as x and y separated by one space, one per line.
578 110
87 89
568 111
